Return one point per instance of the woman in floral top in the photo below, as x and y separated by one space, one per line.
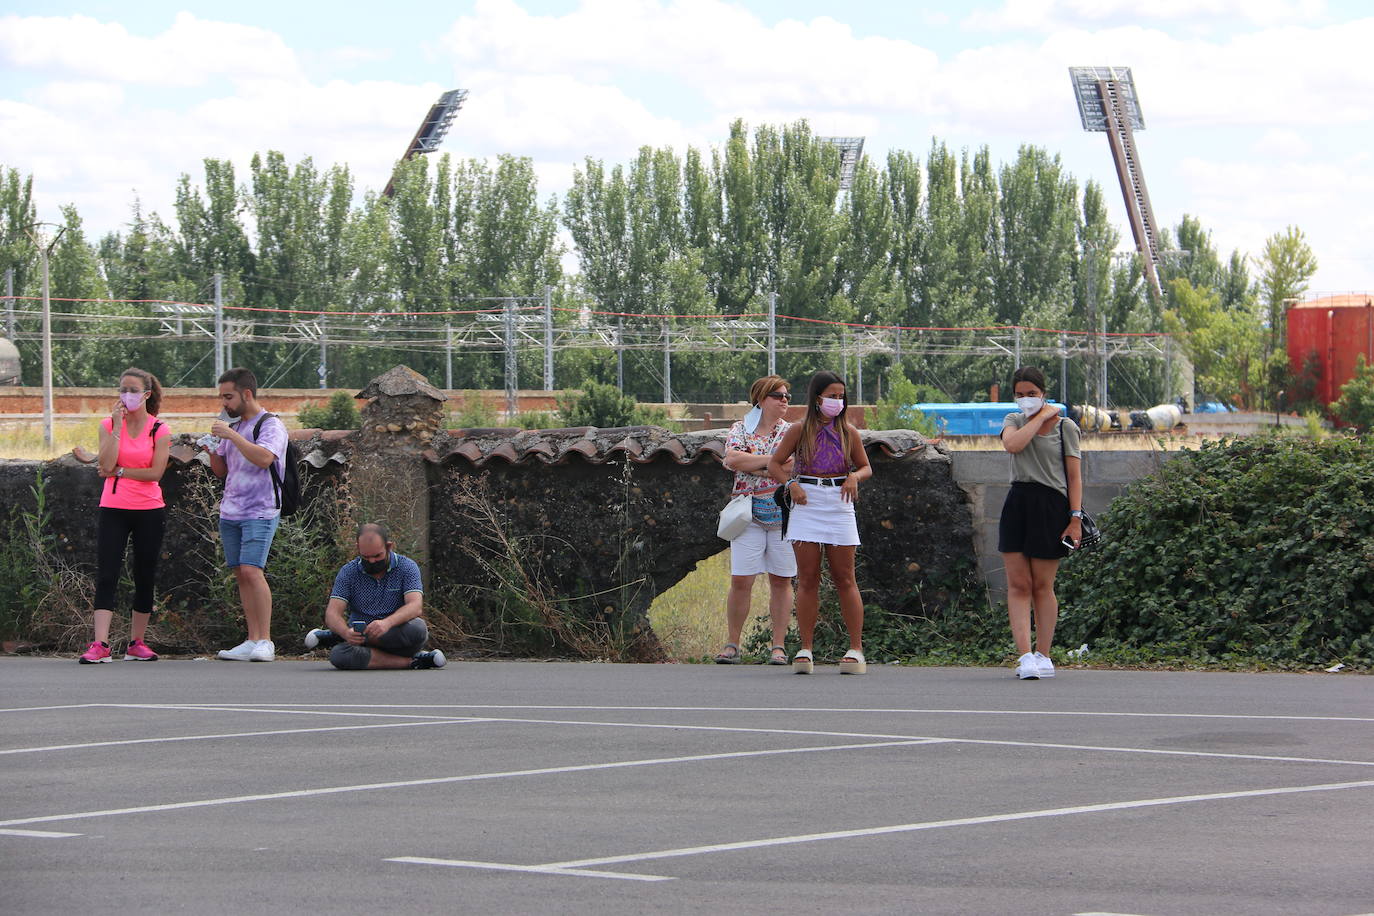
760 549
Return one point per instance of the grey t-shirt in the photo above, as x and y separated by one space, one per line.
1041 461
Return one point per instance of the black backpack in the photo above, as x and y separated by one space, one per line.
286 488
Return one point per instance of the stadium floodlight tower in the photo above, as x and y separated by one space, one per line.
1107 102
432 130
851 148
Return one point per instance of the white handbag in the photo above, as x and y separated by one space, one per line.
735 517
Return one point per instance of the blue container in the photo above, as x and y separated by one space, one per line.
971 419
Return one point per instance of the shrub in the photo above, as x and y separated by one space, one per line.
1355 406
605 407
537 419
965 629
1259 547
897 410
205 612
339 413
474 412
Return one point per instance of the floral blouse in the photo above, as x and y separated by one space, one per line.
759 442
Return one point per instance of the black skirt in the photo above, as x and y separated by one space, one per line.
1033 521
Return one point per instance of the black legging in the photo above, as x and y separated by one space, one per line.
113 532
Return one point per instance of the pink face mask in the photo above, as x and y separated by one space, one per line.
132 399
832 407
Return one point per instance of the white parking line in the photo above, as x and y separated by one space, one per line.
38 834
583 867
279 731
896 710
445 780
877 736
220 707
943 739
538 869
957 822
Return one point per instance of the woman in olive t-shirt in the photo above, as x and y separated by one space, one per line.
1041 518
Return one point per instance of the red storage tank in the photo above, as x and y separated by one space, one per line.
1337 329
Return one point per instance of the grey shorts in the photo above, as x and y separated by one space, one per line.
405 640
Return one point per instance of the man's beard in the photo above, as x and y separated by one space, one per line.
234 412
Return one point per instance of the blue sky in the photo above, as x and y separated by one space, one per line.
1259 112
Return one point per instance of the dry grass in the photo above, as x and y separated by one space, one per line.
1093 442
689 618
24 438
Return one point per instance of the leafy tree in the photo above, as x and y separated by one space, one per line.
211 238
1225 345
1038 215
17 212
1355 406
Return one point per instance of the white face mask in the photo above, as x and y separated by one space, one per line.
1030 406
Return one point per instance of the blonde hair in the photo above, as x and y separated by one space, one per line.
765 386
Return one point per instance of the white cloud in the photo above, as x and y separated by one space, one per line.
1282 144
1053 15
349 56
1247 200
714 50
544 115
188 53
87 95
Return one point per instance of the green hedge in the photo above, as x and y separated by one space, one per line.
1259 548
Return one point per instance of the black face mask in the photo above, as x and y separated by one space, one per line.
373 567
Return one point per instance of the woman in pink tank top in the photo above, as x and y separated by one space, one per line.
830 464
133 456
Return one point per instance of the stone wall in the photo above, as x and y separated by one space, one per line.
599 520
985 478
616 517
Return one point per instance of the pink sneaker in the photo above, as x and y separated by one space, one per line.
138 651
95 652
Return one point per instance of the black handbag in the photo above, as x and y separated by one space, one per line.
783 497
1092 535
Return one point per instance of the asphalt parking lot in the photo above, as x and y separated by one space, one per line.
525 787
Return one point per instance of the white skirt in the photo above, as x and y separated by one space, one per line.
825 519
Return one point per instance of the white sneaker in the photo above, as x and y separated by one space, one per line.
264 650
1046 666
1028 667
239 653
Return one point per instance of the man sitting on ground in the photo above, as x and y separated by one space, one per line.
380 592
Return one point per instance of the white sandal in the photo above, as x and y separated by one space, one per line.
802 662
853 663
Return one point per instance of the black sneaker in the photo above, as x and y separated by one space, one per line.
431 659
322 639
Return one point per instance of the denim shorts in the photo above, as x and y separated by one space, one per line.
247 541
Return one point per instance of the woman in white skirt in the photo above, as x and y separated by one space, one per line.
830 463
760 549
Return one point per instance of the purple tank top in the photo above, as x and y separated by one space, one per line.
827 458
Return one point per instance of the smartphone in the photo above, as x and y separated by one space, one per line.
1068 543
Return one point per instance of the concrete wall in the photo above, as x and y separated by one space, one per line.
985 478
